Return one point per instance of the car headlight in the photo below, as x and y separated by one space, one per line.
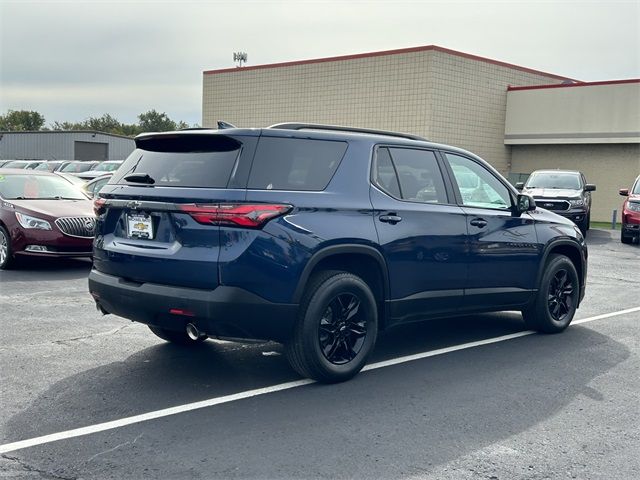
633 206
27 221
576 202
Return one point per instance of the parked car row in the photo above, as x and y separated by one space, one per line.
84 169
46 209
568 194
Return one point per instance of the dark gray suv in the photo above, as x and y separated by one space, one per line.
564 192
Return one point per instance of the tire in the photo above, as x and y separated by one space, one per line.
624 238
177 337
588 220
336 328
584 226
6 252
557 297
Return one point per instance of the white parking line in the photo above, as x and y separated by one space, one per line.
165 412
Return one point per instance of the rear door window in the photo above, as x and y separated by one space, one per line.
410 174
295 164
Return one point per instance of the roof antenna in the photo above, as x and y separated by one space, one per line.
240 57
222 125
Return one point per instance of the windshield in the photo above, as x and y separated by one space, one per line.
37 187
15 164
106 167
43 166
76 167
554 180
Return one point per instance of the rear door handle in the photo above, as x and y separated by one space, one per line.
478 222
391 218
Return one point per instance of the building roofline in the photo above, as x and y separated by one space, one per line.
7 132
424 48
579 84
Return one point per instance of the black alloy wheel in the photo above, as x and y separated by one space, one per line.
342 329
336 328
560 296
556 301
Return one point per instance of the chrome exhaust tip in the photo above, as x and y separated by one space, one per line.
193 333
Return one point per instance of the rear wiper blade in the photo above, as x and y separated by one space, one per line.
139 178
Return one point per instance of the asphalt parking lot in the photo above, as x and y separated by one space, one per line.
465 398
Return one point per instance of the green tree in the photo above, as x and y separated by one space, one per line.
66 126
21 120
153 121
105 123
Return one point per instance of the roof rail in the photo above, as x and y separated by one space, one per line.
337 128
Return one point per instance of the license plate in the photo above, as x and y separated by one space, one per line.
139 226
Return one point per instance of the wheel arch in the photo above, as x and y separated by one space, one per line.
569 249
362 260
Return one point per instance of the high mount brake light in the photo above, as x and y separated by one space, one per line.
241 215
98 205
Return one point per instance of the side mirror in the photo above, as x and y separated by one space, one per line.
525 203
624 192
519 185
589 187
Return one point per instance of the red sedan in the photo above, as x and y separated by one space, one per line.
42 214
631 213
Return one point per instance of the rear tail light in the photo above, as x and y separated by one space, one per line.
241 215
98 205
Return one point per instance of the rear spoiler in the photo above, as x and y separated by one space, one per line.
186 142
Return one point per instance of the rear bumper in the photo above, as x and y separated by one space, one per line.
225 311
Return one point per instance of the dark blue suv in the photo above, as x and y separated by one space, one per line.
319 237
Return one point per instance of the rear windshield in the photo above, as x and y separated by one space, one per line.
182 162
295 164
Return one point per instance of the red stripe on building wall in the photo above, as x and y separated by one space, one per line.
579 84
388 52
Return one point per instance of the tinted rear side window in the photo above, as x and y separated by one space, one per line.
182 163
295 164
410 174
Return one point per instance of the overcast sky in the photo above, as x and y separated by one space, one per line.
75 59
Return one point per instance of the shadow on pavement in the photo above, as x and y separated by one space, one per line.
598 236
165 375
47 269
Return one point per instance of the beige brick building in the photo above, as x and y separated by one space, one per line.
444 95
